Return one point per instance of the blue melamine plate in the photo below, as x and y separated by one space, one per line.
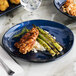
58 4
63 35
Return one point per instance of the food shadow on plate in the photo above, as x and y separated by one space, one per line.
40 56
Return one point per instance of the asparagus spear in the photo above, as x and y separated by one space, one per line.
50 38
22 32
44 39
46 46
42 43
47 41
27 30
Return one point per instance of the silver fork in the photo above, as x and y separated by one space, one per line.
7 69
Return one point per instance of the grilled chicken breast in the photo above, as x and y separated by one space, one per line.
27 42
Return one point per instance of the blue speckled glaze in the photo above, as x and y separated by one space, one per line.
63 35
58 4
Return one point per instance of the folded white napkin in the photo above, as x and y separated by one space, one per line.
10 63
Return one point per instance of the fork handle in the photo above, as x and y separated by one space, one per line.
7 69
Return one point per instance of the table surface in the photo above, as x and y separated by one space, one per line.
62 67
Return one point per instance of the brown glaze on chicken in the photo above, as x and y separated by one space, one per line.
27 42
